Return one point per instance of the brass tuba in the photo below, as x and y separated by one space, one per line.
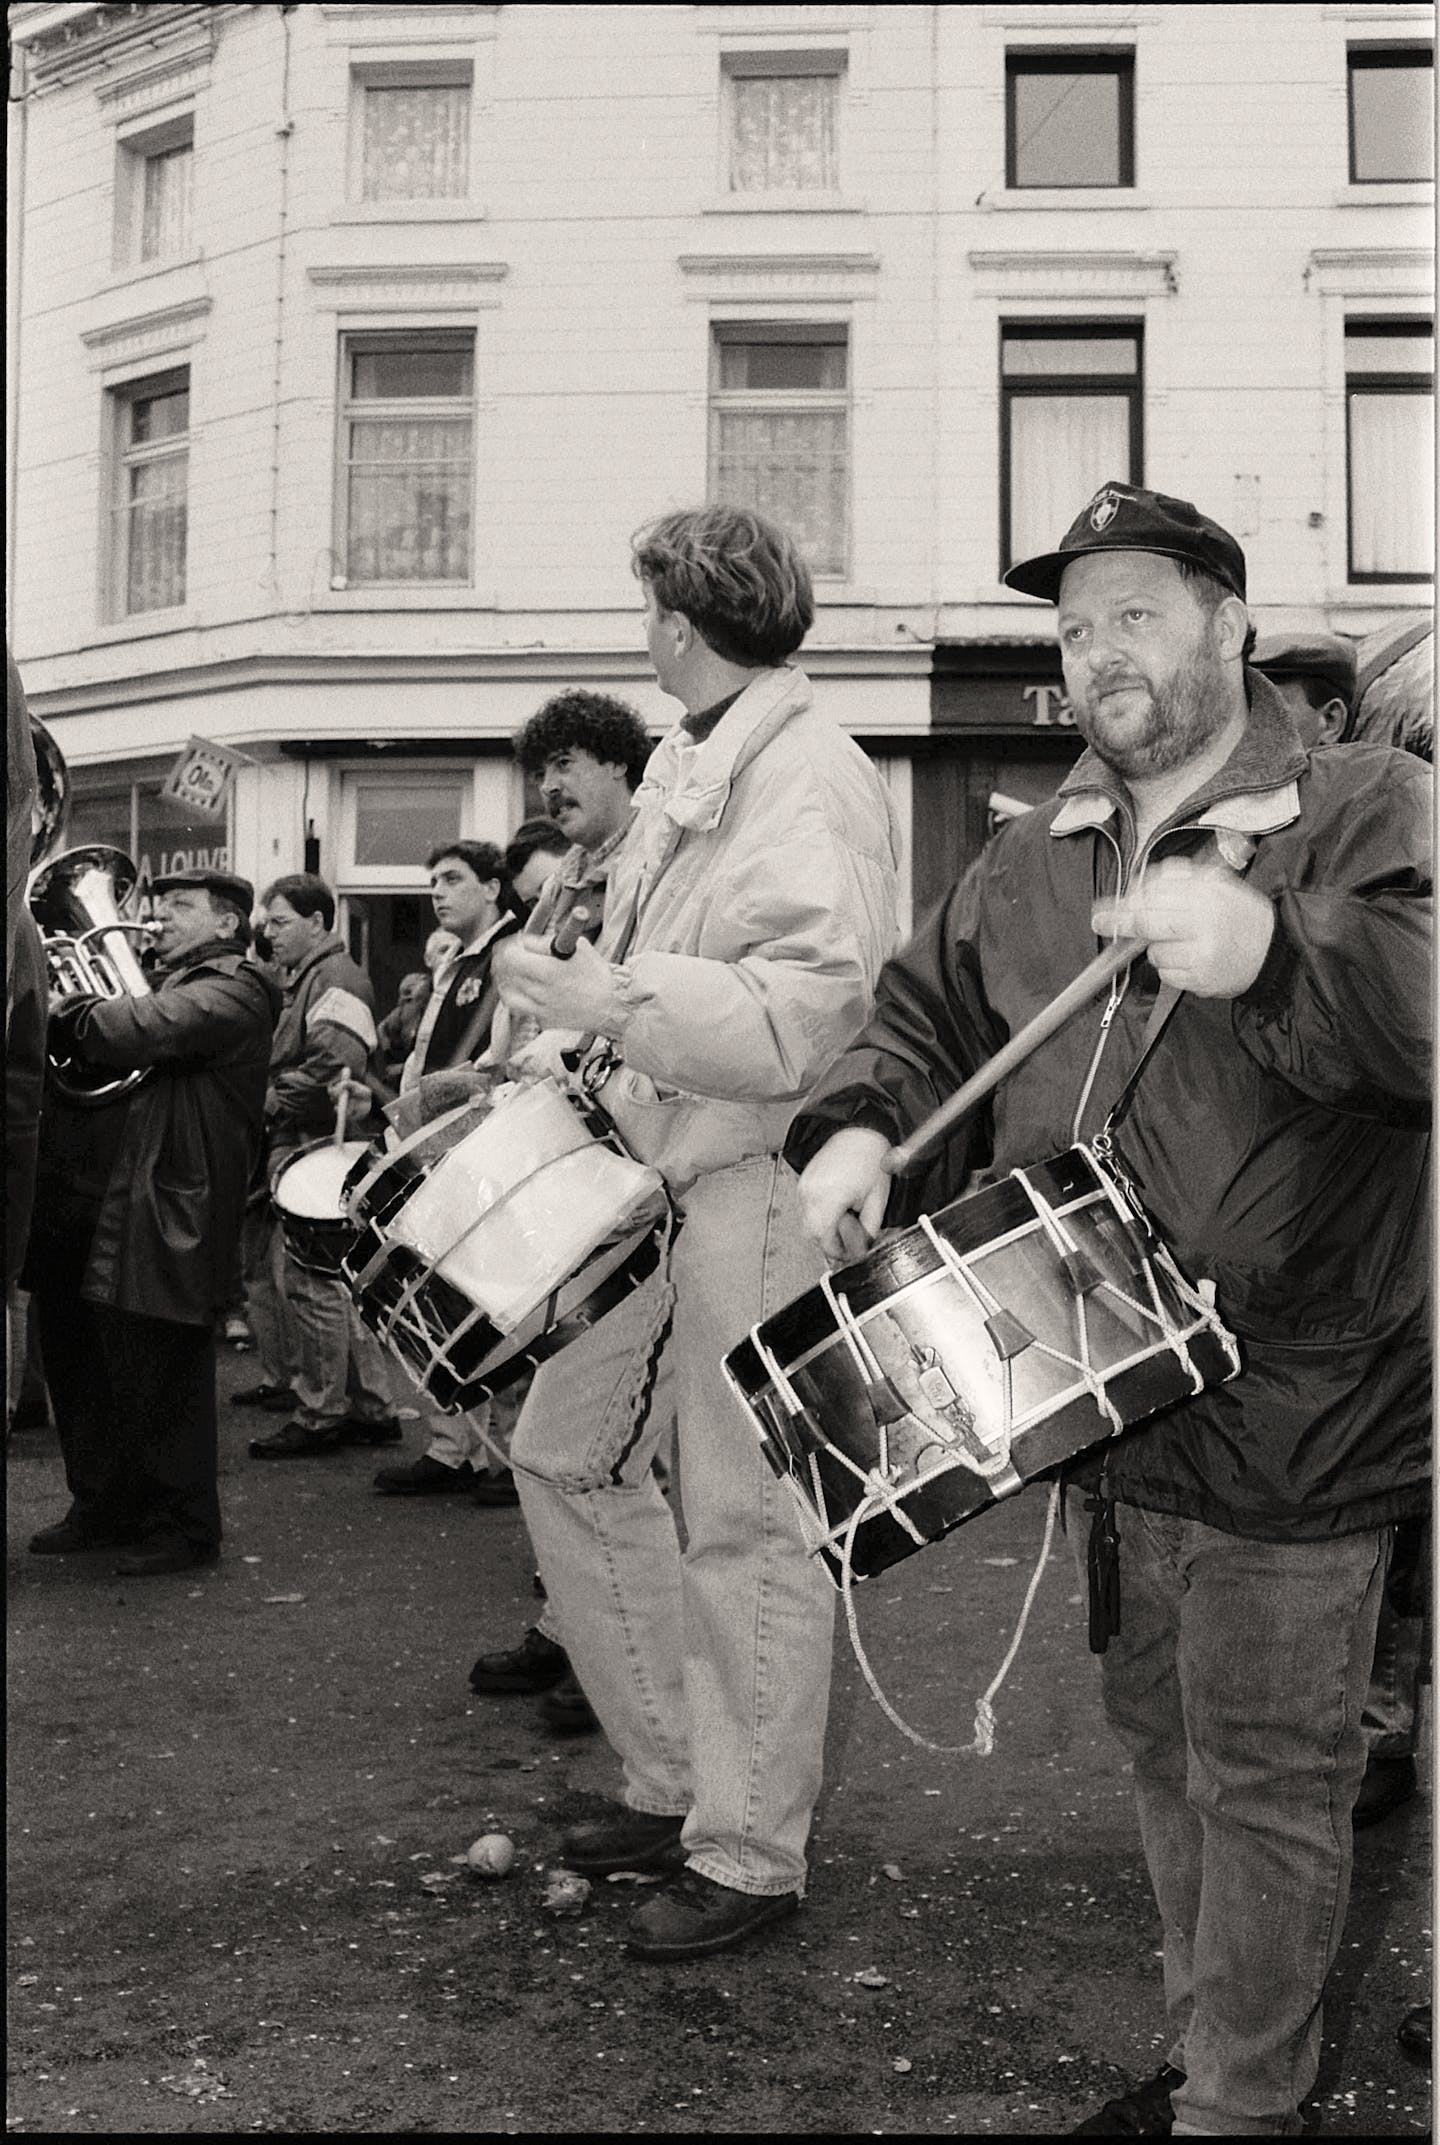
76 900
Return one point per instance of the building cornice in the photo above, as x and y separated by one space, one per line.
1025 270
61 45
1371 271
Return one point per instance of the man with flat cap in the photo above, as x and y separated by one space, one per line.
1315 675
1274 1041
137 1217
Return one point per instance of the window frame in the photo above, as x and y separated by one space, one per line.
133 152
1112 385
1373 58
1384 326
438 72
1075 59
783 64
798 401
123 456
363 341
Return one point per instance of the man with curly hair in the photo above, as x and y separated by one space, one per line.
748 914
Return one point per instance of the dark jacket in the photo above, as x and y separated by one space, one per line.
326 1027
1279 1140
24 1081
162 1174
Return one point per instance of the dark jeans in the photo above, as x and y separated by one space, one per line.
1237 1683
134 1402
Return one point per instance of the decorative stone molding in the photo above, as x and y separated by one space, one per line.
380 289
144 336
1371 272
1072 274
162 79
835 277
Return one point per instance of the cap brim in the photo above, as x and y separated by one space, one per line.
1041 576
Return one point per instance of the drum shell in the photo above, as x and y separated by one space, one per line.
317 1242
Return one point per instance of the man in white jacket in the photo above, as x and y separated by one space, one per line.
749 913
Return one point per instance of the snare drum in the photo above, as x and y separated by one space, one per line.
494 1236
307 1190
914 1388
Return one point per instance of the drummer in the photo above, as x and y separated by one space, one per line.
1278 1136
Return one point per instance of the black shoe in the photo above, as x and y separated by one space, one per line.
536 1664
164 1553
631 1839
693 1915
495 1489
424 1478
273 1398
566 1710
69 1537
371 1430
295 1441
1413 2034
1389 1783
1144 2112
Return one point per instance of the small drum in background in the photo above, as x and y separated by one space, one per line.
493 1237
915 1387
307 1189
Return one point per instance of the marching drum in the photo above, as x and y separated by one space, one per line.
493 1237
956 1361
308 1191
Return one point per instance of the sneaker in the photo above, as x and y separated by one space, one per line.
273 1398
238 1334
371 1430
1389 1783
566 1710
536 1664
424 1478
295 1441
692 1916
1144 2112
631 1839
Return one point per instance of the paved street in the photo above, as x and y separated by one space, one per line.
236 1800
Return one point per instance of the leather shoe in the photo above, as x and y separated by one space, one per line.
164 1553
536 1664
68 1538
495 1490
1388 1784
295 1441
631 1839
371 1430
273 1398
424 1478
693 1916
1143 2112
566 1710
1414 2032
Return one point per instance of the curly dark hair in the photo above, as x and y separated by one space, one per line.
738 578
576 720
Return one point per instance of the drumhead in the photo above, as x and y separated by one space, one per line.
310 1186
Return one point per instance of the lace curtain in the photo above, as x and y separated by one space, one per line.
165 207
409 500
791 466
417 143
1392 454
1062 448
155 535
784 133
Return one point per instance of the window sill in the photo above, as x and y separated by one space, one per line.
1361 595
407 596
1386 193
178 619
796 204
1064 197
409 212
121 276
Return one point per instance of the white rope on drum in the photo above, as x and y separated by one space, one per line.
982 1742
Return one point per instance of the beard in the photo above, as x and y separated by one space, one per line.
1177 721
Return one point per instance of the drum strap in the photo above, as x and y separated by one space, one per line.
1166 1000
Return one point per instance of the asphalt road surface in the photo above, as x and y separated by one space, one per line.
237 1799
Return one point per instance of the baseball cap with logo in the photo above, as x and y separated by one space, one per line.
1122 517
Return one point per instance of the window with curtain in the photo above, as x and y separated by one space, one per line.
415 141
779 432
407 470
1392 113
783 113
154 193
1070 118
149 510
1390 449
1070 417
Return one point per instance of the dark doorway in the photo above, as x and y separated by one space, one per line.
386 934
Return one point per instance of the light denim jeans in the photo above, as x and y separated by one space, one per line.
479 1438
262 1252
342 1372
1237 1683
709 1666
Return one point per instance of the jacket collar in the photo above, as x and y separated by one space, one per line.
1254 793
694 780
331 943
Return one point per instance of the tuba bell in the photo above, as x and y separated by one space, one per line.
76 900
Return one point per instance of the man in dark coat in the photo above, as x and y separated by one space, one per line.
1278 1135
138 1212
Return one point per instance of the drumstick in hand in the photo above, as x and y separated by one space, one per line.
1090 982
342 1110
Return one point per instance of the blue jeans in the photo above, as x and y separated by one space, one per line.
709 1666
1237 1683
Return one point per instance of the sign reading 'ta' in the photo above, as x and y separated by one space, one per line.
201 777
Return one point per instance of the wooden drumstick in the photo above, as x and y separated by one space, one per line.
1090 982
570 930
342 1111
